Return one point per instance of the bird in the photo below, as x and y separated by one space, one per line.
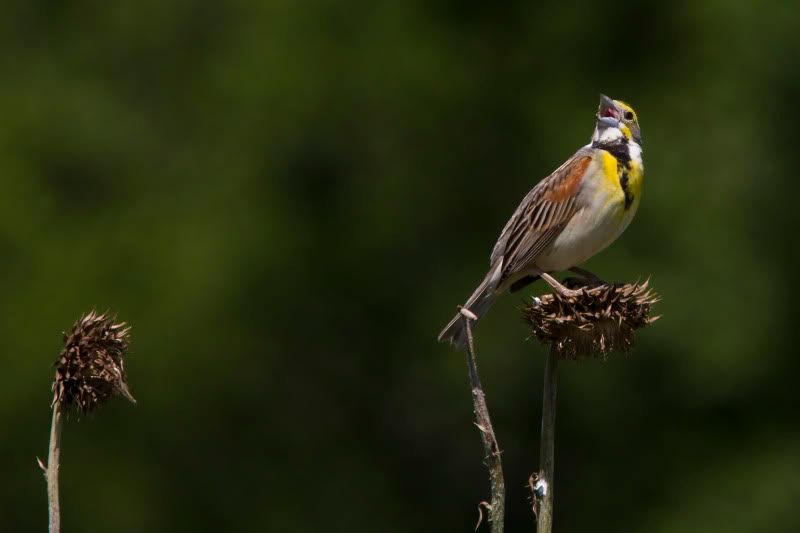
568 217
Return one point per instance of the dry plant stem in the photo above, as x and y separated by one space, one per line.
52 468
490 447
544 517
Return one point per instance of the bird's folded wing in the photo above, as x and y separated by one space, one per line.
542 215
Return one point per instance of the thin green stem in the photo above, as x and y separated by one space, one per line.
544 491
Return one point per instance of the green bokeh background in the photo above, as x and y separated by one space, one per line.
286 200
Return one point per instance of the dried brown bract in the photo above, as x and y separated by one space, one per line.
600 320
91 367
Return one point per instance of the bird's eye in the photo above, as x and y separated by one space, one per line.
628 115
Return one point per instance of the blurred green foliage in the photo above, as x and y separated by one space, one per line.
287 199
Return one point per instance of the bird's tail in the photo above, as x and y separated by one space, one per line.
479 303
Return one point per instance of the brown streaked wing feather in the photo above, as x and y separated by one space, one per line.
541 216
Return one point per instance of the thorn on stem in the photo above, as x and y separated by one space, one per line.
42 466
480 513
467 313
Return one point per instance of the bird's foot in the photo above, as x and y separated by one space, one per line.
560 289
567 293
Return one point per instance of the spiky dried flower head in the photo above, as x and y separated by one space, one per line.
91 367
600 320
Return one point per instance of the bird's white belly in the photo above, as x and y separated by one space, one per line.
588 232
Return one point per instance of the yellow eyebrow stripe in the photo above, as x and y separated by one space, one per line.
626 107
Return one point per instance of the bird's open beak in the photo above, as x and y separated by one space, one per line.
607 109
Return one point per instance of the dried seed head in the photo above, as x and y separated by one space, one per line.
600 320
91 367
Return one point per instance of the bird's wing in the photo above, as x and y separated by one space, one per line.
542 215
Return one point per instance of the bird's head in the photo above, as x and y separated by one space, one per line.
616 123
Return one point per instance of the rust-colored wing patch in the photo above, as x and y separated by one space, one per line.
568 185
542 215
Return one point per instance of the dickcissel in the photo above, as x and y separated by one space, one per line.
569 216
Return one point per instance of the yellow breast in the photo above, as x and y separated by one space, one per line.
611 172
635 178
622 183
605 214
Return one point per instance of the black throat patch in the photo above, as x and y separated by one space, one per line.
623 181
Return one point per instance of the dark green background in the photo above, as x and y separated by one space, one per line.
287 199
